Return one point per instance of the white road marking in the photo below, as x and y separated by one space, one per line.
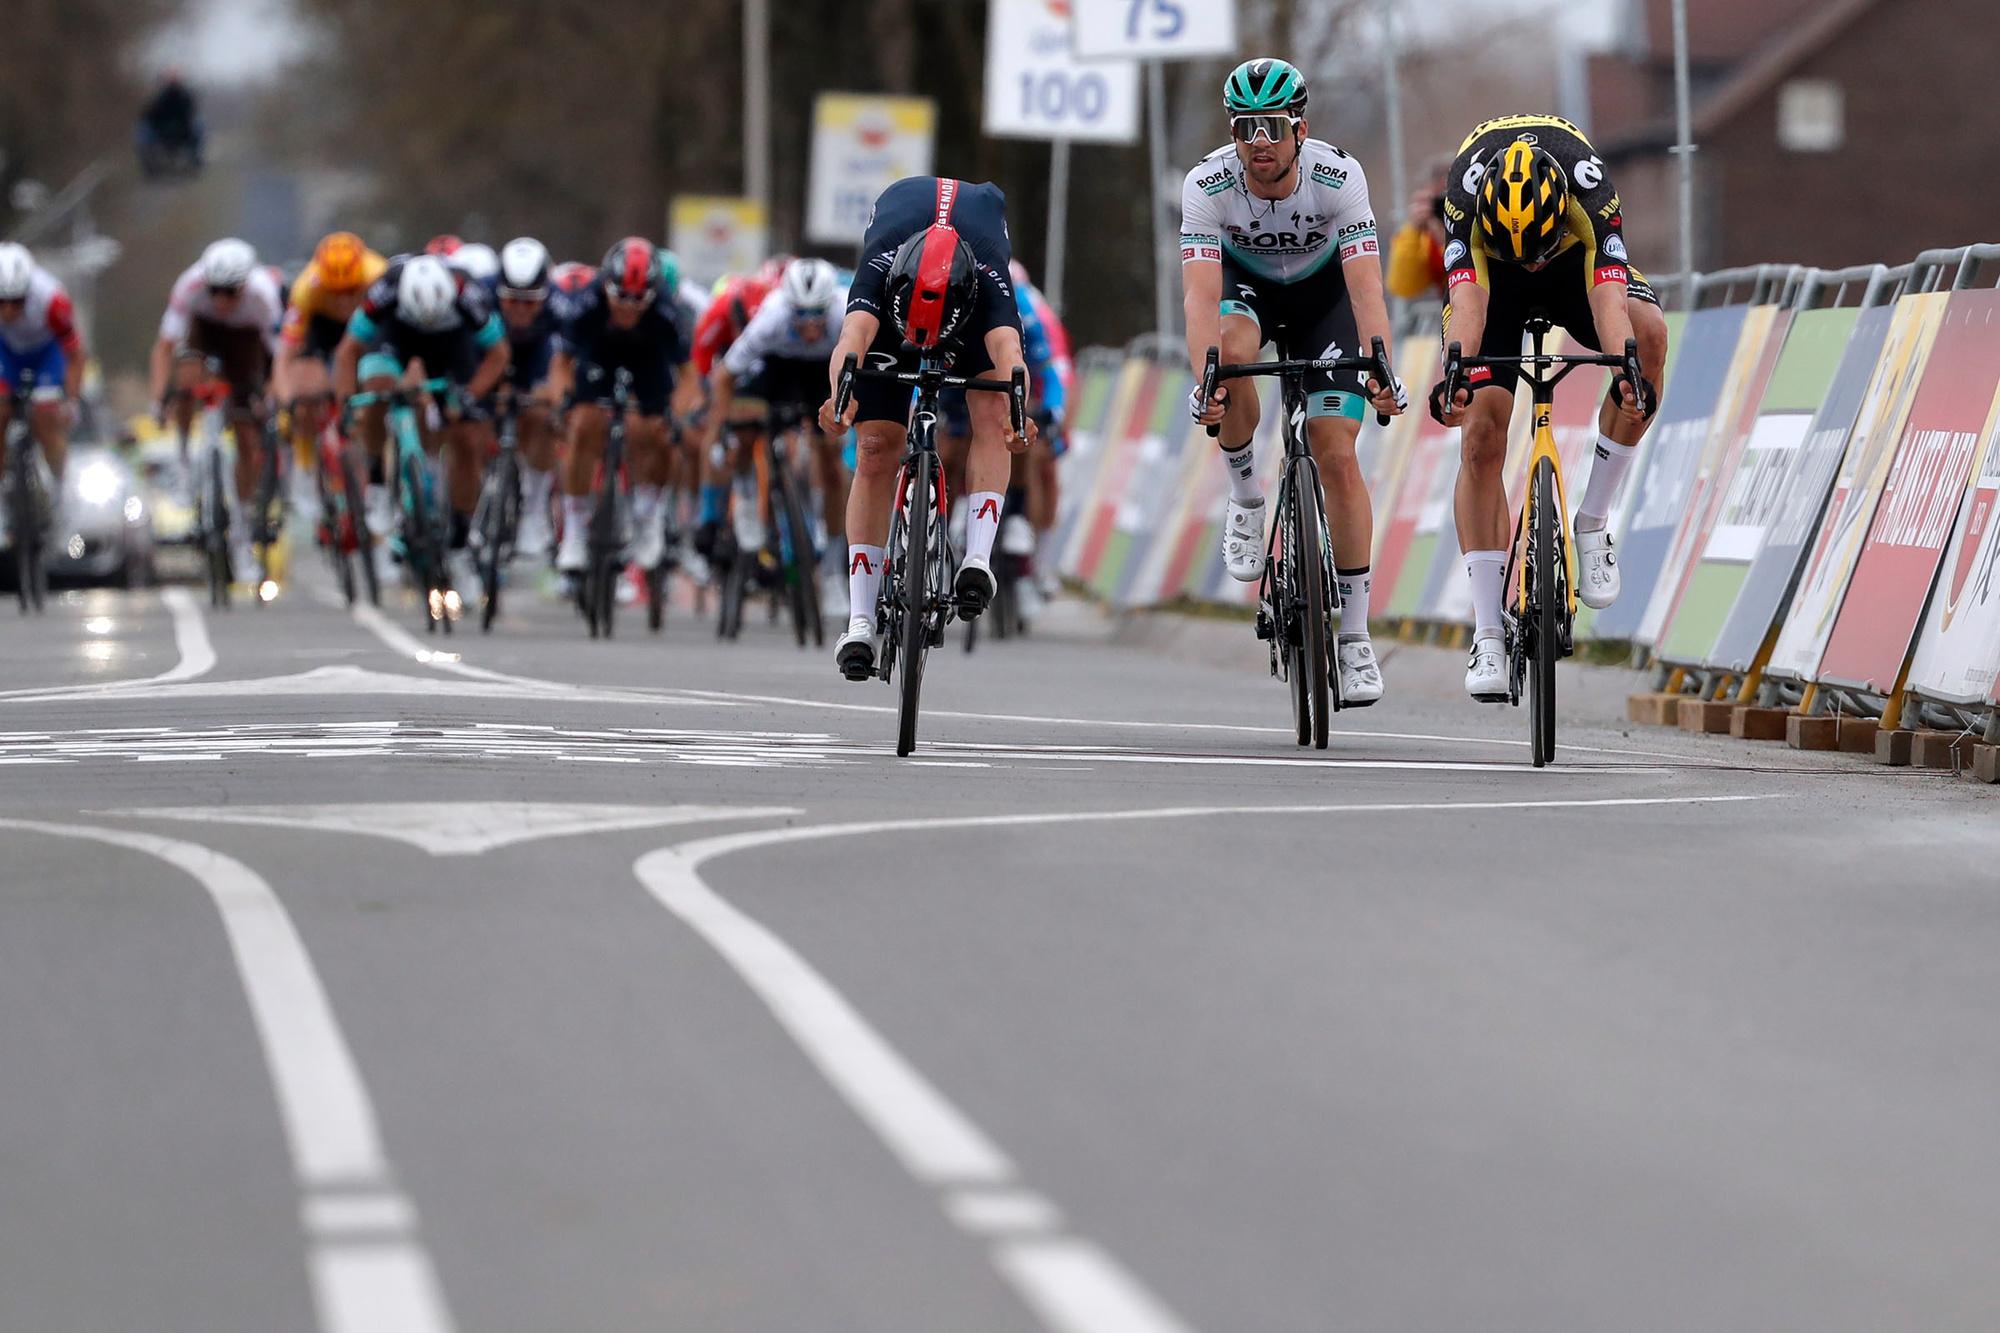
190 638
1072 1284
328 1118
1078 1288
344 681
462 828
370 1214
1002 1211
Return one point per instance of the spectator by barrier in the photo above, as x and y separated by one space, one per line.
1820 433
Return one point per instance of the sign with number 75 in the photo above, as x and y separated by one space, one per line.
1153 29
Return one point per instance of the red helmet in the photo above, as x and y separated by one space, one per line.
931 286
631 270
442 245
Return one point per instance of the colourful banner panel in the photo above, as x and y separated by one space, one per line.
1664 478
1857 485
1801 496
1747 504
1131 406
1423 508
1083 461
1621 513
1920 500
1958 653
1756 357
1135 484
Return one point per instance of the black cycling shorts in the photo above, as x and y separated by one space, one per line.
1307 319
1558 291
652 377
787 382
879 401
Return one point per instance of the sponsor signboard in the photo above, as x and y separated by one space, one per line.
1036 88
861 146
1958 653
715 235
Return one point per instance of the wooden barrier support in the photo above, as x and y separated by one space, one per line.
1747 722
1706 716
1656 708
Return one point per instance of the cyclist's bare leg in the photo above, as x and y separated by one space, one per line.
1347 508
989 463
587 425
187 374
535 436
46 422
1480 501
878 453
1241 339
249 434
1649 326
466 444
1041 486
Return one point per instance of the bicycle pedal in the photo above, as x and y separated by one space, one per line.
1266 629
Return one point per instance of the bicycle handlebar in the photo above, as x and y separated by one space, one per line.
1376 363
1015 387
1456 363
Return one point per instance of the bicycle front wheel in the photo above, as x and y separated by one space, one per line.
915 640
1308 560
1546 606
364 540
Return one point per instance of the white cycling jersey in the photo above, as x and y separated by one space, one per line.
773 332
1286 239
260 307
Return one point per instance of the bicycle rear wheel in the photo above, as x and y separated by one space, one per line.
497 520
216 535
267 519
1545 606
1308 558
25 532
915 640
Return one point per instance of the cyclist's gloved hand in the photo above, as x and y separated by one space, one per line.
1396 392
1207 413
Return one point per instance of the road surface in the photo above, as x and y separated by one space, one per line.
557 984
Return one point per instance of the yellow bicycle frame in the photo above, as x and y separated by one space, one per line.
1544 447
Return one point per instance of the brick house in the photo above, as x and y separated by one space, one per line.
1829 132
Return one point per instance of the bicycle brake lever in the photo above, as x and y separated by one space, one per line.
843 393
1209 380
1382 375
1017 401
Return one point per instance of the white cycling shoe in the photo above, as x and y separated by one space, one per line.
1360 673
856 650
1486 673
649 544
1597 569
574 553
1243 541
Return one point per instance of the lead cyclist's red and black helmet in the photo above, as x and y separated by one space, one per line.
932 286
631 271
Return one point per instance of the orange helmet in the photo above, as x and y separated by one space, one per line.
341 259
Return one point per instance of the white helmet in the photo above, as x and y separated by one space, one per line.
227 263
811 286
524 268
17 268
427 294
476 260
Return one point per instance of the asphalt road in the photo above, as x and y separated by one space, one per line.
573 985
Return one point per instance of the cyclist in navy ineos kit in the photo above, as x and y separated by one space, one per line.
932 276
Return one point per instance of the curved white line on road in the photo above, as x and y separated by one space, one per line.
1071 1283
386 1281
195 656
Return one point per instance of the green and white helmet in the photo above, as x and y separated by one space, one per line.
1264 85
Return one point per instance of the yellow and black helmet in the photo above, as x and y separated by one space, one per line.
1523 203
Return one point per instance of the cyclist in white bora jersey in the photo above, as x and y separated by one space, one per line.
1263 221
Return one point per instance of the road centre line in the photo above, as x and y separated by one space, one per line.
360 1286
1073 1284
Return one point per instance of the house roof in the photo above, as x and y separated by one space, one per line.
1755 77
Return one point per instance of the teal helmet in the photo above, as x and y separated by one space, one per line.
670 271
1264 86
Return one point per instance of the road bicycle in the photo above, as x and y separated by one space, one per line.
787 560
1540 616
610 521
29 507
343 517
915 602
212 479
423 527
1298 593
267 511
496 518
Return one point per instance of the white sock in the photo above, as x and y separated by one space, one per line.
576 514
864 579
645 502
535 484
1607 473
1242 465
1354 585
984 524
1488 571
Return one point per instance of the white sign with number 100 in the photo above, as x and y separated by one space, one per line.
1154 29
1036 89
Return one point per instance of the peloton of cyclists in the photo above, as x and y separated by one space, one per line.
38 337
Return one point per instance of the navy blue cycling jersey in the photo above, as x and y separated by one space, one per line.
979 213
473 329
587 331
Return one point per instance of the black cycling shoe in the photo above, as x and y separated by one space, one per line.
975 588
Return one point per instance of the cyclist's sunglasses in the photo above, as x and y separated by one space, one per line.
525 295
644 298
1274 129
225 293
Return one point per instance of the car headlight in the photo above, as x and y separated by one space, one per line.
135 509
98 483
